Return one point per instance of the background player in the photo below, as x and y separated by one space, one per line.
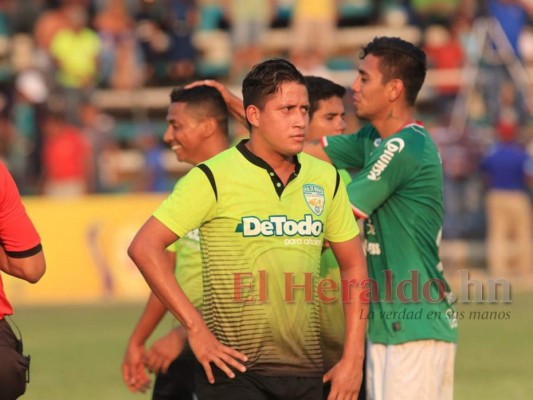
197 130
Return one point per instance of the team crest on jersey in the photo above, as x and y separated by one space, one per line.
314 197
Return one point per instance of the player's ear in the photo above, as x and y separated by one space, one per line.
395 89
252 115
210 127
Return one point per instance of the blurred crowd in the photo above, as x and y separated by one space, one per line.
55 55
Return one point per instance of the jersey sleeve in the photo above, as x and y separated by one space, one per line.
347 151
341 225
17 233
191 203
394 161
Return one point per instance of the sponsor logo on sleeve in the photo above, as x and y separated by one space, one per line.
392 147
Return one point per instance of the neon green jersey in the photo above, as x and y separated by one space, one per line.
259 240
399 189
188 268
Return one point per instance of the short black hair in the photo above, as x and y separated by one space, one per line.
206 100
265 79
319 89
399 59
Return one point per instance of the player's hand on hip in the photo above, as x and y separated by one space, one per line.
345 381
208 349
133 371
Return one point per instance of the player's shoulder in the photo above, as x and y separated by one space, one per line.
222 159
315 164
412 139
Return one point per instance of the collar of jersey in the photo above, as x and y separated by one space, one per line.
258 161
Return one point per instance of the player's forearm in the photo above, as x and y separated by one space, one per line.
355 313
151 262
354 272
153 314
236 107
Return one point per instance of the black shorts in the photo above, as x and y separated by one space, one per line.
252 386
13 365
178 382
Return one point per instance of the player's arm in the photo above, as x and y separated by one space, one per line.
347 374
133 364
29 268
378 180
233 102
21 252
316 149
147 251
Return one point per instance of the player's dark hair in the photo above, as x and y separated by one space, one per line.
319 89
265 79
399 59
206 100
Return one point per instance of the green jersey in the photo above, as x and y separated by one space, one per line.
399 190
261 243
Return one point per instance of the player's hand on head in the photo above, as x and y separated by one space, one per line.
133 370
165 350
345 381
222 89
208 349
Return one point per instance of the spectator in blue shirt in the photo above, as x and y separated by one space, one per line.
508 169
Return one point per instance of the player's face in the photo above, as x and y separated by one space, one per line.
283 121
370 97
328 119
184 133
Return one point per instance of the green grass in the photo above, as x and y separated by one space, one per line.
494 357
77 351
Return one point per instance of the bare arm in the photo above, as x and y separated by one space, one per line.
147 251
233 102
346 375
133 371
30 269
315 149
153 313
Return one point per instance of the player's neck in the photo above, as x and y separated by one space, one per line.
393 122
282 165
213 146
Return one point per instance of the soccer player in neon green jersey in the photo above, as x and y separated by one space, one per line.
412 322
263 210
326 117
197 130
399 192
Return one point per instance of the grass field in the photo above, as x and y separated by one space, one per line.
77 351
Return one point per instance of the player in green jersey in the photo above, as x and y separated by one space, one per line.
399 193
197 130
264 211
